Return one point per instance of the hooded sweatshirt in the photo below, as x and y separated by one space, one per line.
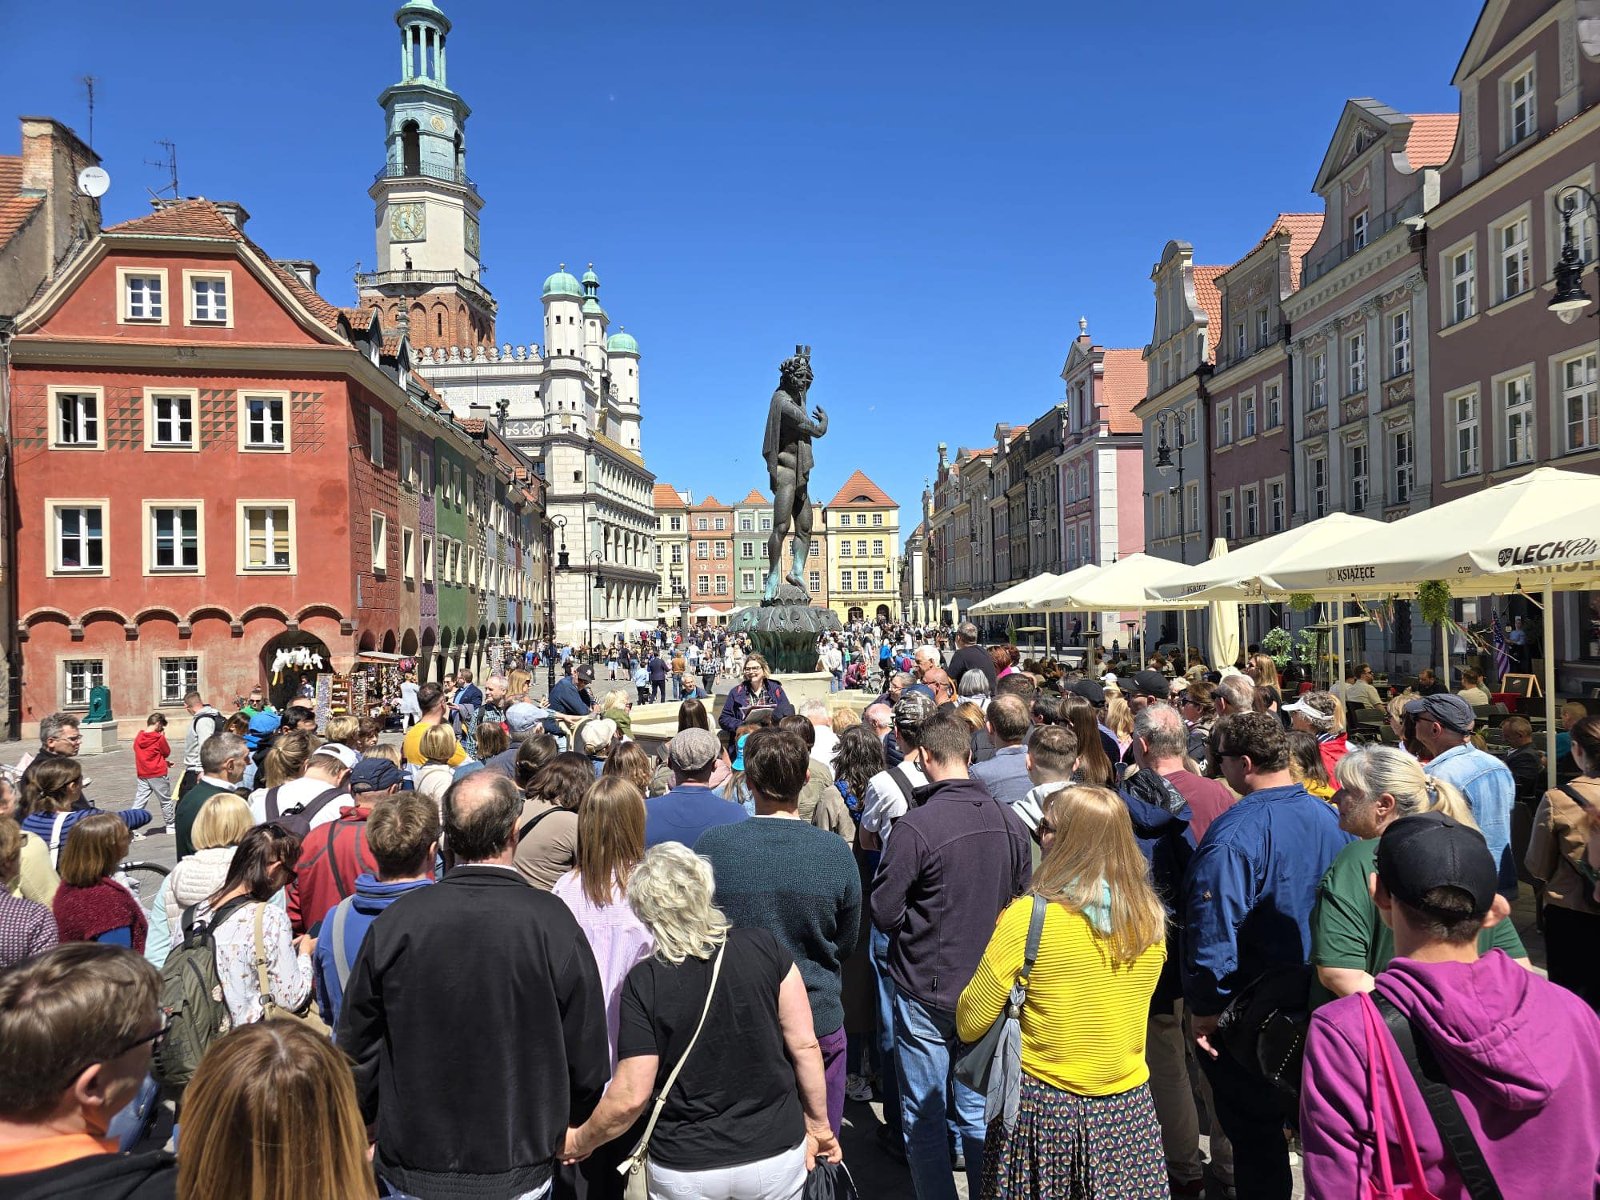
96 1172
371 898
1521 1054
151 752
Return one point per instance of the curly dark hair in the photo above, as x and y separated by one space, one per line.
859 758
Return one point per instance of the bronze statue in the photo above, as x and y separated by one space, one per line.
787 449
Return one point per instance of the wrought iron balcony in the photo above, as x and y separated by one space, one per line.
1347 248
425 171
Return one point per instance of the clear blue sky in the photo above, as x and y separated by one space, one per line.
929 193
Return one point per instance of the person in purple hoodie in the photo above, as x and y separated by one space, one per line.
1520 1055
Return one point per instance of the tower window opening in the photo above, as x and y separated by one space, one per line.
438 322
432 52
411 148
416 52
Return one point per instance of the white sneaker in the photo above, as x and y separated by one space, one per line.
858 1088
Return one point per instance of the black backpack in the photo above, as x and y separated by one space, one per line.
297 818
191 997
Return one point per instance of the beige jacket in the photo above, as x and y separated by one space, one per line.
1561 833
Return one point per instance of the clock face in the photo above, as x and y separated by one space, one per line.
437 122
408 222
472 236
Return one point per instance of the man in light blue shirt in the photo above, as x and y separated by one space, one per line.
1444 726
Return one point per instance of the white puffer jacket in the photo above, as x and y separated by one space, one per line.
433 780
192 880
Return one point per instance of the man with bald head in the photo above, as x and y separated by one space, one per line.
1006 773
515 958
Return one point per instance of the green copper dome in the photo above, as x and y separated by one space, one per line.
590 277
621 343
591 308
562 284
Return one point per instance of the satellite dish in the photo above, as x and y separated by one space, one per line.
93 181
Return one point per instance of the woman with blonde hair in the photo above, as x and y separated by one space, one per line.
1087 1123
285 762
1119 719
1263 668
437 747
748 1112
26 926
271 1114
1349 941
221 823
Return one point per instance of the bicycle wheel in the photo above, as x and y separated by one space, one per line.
144 879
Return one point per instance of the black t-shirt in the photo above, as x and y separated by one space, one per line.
736 1100
971 658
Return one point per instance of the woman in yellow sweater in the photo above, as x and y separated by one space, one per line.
1087 1125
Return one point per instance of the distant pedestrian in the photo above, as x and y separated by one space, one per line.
151 763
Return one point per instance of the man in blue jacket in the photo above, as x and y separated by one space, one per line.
1249 894
403 838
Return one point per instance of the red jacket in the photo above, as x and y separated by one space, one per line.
151 754
1333 749
330 859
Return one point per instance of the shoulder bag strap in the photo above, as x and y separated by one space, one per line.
263 980
321 801
55 837
337 920
898 775
1441 1101
329 853
1573 795
270 804
1019 985
534 820
635 1161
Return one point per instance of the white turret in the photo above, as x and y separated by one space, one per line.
623 353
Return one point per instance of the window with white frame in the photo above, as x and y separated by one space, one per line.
702 585
1072 547
1464 408
1272 405
1225 515
1275 506
844 580
1514 244
675 524
861 581
844 547
1192 503
425 461
1317 368
746 524
877 547
427 558
1575 211
1250 510
766 524
814 550
677 555
1519 103
268 542
144 296
1317 474
747 581
1224 424
408 554
1247 415
77 419
1578 403
172 421
174 538
178 677
1516 409
702 550
861 547
700 524
861 518
1263 330
79 677
1359 476
747 549
877 581
80 539
1399 343
814 580
721 524
1356 363
1402 466
1239 348
1463 284
455 562
1358 230
264 424
405 463
208 299
721 549
1085 542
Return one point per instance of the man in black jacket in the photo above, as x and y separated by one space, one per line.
970 656
953 862
475 1017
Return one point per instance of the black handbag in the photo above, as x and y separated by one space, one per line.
829 1181
1264 1028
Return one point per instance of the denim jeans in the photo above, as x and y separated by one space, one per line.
925 1045
888 1074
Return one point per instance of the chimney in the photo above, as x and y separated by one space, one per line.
304 268
52 157
237 216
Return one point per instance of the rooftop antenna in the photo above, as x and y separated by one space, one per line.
170 165
88 82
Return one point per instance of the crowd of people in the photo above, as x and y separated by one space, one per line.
524 953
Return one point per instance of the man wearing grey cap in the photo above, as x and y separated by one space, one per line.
1444 726
690 807
1516 1058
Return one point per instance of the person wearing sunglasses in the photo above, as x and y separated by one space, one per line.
80 1024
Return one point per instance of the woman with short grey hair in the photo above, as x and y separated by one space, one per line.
747 1115
974 685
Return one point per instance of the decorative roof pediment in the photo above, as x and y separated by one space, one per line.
1364 123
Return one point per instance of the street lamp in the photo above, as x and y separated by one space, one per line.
1166 459
597 557
681 595
1570 299
558 523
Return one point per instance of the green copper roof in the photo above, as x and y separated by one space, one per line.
562 284
591 308
621 343
590 277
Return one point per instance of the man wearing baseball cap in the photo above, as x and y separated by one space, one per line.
570 696
1444 726
1519 1055
690 807
333 854
318 793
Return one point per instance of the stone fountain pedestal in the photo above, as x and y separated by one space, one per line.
784 631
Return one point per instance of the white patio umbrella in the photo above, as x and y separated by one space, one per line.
1222 641
1236 576
993 605
1122 586
1532 533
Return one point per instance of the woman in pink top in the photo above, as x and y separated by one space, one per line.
610 845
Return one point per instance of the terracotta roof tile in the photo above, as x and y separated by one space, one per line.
1432 139
860 492
664 495
14 214
1210 300
1122 387
391 344
472 424
10 175
618 448
755 497
710 502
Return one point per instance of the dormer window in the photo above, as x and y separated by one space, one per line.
1358 231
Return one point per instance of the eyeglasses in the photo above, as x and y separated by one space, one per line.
155 1040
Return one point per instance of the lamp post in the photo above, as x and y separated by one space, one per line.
681 594
558 523
1570 299
596 557
1166 459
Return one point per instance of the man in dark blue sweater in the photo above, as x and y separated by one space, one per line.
950 866
800 883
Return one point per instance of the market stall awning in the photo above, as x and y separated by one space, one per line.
1122 586
381 656
1235 575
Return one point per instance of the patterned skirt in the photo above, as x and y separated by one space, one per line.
1071 1147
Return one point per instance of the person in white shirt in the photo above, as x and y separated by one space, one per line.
324 788
826 744
1363 690
889 792
1472 690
